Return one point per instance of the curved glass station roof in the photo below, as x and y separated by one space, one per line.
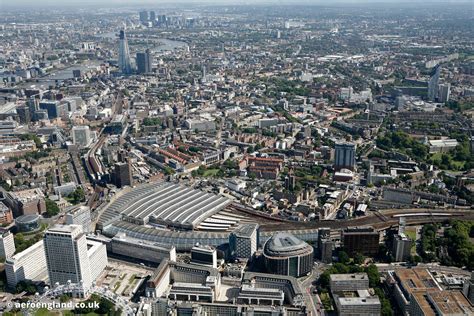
166 203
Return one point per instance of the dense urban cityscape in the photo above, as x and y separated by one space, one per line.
237 159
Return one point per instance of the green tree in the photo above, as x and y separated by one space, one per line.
25 286
52 208
373 274
77 196
386 309
343 257
359 258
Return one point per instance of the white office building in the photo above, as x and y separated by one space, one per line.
97 254
348 282
358 306
66 255
80 216
7 244
30 264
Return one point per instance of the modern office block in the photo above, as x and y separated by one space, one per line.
358 306
204 255
7 244
362 240
30 264
285 254
244 240
52 108
97 255
80 216
401 247
144 62
348 282
66 255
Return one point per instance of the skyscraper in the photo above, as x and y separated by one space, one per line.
433 84
144 62
143 17
65 248
124 54
152 17
344 156
123 174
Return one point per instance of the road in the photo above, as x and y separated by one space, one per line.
313 303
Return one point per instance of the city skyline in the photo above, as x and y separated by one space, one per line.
306 158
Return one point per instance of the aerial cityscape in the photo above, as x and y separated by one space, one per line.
313 158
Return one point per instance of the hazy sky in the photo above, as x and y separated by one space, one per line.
58 3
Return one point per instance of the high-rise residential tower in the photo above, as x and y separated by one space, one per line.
124 63
433 84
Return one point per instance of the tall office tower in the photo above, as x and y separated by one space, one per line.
244 241
123 174
344 156
162 19
81 136
152 17
143 17
65 248
433 84
144 62
7 244
444 91
24 114
124 54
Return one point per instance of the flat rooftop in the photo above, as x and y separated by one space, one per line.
433 302
416 279
245 230
348 277
348 301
